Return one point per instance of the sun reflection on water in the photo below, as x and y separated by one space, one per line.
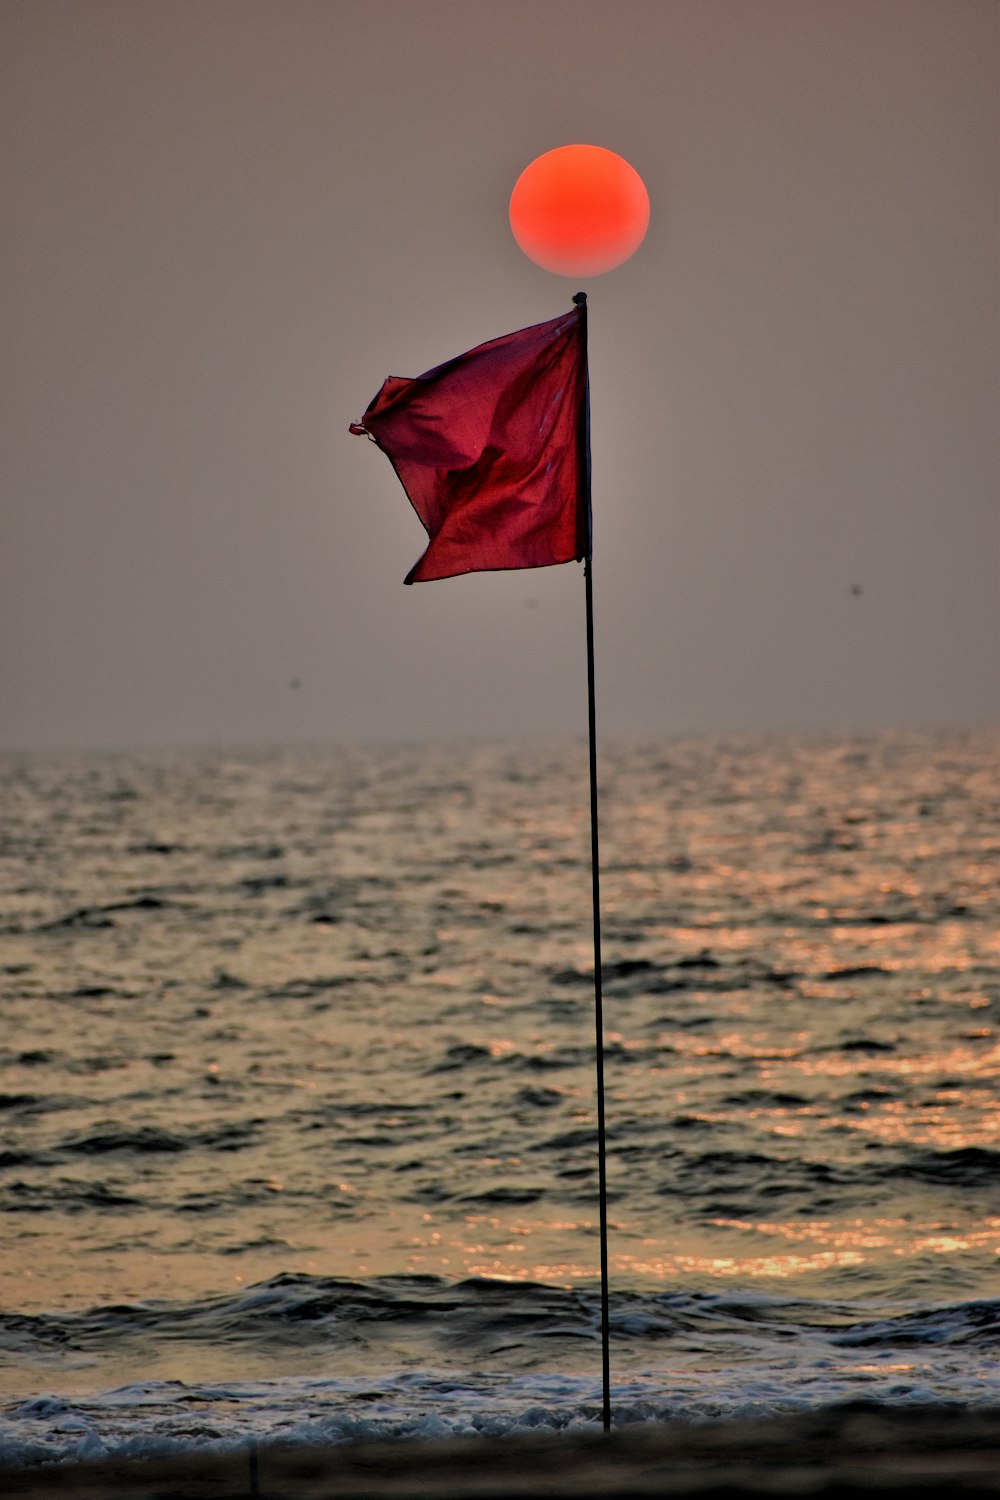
332 1013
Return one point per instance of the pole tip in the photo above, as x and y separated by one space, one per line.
579 298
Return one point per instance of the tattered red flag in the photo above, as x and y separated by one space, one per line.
491 449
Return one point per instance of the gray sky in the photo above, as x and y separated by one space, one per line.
229 220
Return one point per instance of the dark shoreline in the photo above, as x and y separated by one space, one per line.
858 1449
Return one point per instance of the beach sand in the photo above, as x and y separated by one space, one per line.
857 1449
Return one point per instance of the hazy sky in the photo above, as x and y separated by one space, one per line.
228 220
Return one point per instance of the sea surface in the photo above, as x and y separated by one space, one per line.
297 1099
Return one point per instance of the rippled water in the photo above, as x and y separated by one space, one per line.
296 1075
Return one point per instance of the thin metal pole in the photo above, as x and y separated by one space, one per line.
595 868
602 1174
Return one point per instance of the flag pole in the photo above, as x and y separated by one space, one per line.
595 867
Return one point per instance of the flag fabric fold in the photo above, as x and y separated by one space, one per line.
491 449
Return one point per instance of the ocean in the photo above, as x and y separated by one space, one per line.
297 1087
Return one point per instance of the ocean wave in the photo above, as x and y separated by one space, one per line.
249 1419
330 1311
112 1138
973 1167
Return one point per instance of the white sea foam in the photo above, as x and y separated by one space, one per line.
169 1418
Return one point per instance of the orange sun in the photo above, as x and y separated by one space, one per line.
579 210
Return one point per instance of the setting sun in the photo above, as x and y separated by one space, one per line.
579 210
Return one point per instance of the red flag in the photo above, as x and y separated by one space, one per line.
491 450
